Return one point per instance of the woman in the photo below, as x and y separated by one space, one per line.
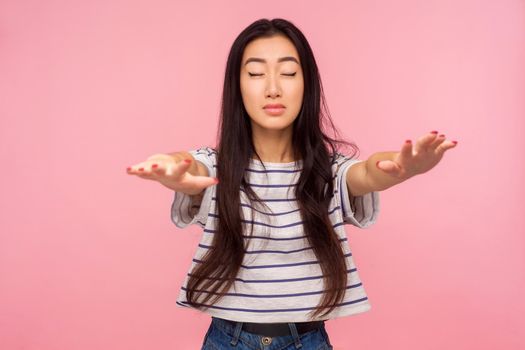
274 262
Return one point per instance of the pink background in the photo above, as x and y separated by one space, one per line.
89 258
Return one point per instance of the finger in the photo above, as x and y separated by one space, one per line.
142 174
159 167
156 170
135 169
143 169
169 169
147 165
424 141
389 167
406 150
176 169
205 181
145 173
437 141
446 145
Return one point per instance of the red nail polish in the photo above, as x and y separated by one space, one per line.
128 168
408 141
442 135
140 169
434 132
454 142
154 165
187 160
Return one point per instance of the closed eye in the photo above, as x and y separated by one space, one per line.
287 74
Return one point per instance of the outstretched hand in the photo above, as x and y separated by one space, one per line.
172 172
425 155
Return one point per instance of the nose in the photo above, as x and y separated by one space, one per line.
272 88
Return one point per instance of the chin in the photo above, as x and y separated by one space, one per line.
275 122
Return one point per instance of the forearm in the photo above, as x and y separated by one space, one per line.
378 180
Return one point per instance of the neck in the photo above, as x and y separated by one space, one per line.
274 146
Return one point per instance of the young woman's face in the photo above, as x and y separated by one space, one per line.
271 74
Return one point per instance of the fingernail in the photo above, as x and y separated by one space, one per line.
154 165
128 168
408 141
442 135
377 163
216 180
454 142
140 169
187 160
433 132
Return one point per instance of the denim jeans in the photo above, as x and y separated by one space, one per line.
224 335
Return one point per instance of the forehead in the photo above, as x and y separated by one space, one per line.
270 49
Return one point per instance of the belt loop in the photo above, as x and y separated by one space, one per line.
236 333
295 335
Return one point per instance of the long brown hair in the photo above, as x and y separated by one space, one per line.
212 278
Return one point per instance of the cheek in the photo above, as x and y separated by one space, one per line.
295 88
298 95
250 94
249 98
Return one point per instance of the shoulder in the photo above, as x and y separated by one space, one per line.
340 159
207 156
205 151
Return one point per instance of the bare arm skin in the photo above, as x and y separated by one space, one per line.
386 169
178 171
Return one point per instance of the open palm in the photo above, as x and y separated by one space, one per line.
172 172
417 159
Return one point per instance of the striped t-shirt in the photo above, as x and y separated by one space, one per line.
280 279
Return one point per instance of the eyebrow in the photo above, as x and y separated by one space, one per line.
262 60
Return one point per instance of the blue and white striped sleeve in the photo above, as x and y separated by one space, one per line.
361 211
183 213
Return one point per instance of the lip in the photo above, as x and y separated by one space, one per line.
274 109
273 105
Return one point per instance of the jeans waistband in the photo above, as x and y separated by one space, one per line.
270 329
